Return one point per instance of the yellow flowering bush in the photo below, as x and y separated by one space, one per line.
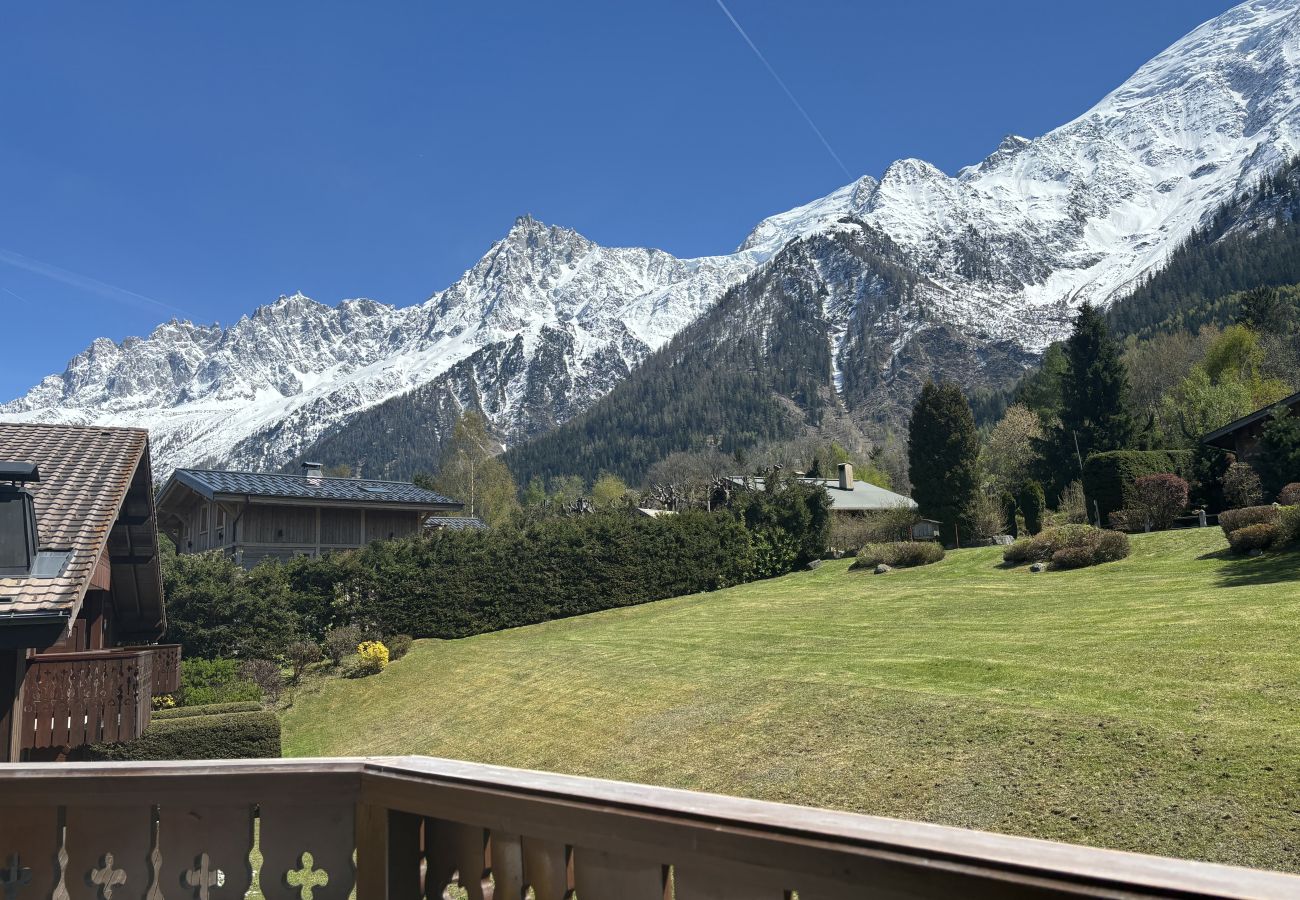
372 657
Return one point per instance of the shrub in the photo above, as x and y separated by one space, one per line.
398 646
212 709
1087 546
1241 487
1260 536
234 735
1032 504
1110 479
1231 520
372 658
987 517
339 642
266 674
1072 507
851 533
1289 525
207 681
899 555
1290 495
1161 498
301 654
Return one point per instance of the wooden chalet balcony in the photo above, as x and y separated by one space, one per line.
94 696
411 828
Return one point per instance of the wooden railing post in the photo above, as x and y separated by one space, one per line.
388 854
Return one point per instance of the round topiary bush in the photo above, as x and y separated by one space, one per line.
1231 520
1290 495
1069 547
1260 537
898 555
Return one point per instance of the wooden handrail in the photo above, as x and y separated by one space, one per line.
417 825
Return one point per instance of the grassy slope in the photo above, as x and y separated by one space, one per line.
1148 705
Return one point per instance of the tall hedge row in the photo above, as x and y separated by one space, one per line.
1110 479
459 583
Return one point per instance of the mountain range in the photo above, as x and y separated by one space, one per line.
840 308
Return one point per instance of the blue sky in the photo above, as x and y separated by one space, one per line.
197 159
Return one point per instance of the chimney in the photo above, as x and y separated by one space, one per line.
17 519
312 470
846 476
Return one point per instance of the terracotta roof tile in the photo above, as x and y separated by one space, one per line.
85 474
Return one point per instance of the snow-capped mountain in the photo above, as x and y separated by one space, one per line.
999 254
256 393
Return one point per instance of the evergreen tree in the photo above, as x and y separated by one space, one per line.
1095 414
943 455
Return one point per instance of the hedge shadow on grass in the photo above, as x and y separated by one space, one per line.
1273 567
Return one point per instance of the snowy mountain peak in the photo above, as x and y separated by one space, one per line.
548 320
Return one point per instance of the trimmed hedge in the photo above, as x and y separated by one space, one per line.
1261 536
1069 547
1289 526
1110 479
211 709
1231 520
458 583
1104 547
234 735
899 555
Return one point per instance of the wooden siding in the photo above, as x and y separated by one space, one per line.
383 526
342 527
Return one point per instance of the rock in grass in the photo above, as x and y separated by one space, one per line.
883 569
1038 567
815 564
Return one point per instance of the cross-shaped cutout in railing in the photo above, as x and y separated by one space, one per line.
14 877
108 877
307 877
203 877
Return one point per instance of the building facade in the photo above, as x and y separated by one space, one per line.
251 516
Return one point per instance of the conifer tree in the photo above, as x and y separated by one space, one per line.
943 456
1095 413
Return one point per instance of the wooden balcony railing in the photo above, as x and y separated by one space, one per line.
412 828
88 697
166 669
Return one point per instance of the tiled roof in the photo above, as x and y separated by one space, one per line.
455 523
85 475
307 487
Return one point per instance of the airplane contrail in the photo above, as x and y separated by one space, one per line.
797 105
83 282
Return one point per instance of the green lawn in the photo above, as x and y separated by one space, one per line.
1150 705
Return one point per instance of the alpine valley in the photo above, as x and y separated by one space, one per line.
835 311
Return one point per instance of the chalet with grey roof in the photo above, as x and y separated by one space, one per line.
848 496
79 580
252 516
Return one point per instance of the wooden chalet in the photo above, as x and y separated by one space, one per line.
1242 436
81 600
253 516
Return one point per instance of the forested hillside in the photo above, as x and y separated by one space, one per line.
1252 241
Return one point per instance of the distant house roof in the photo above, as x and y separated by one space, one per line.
655 513
455 523
1223 437
862 497
94 512
309 488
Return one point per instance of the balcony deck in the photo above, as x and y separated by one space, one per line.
409 828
